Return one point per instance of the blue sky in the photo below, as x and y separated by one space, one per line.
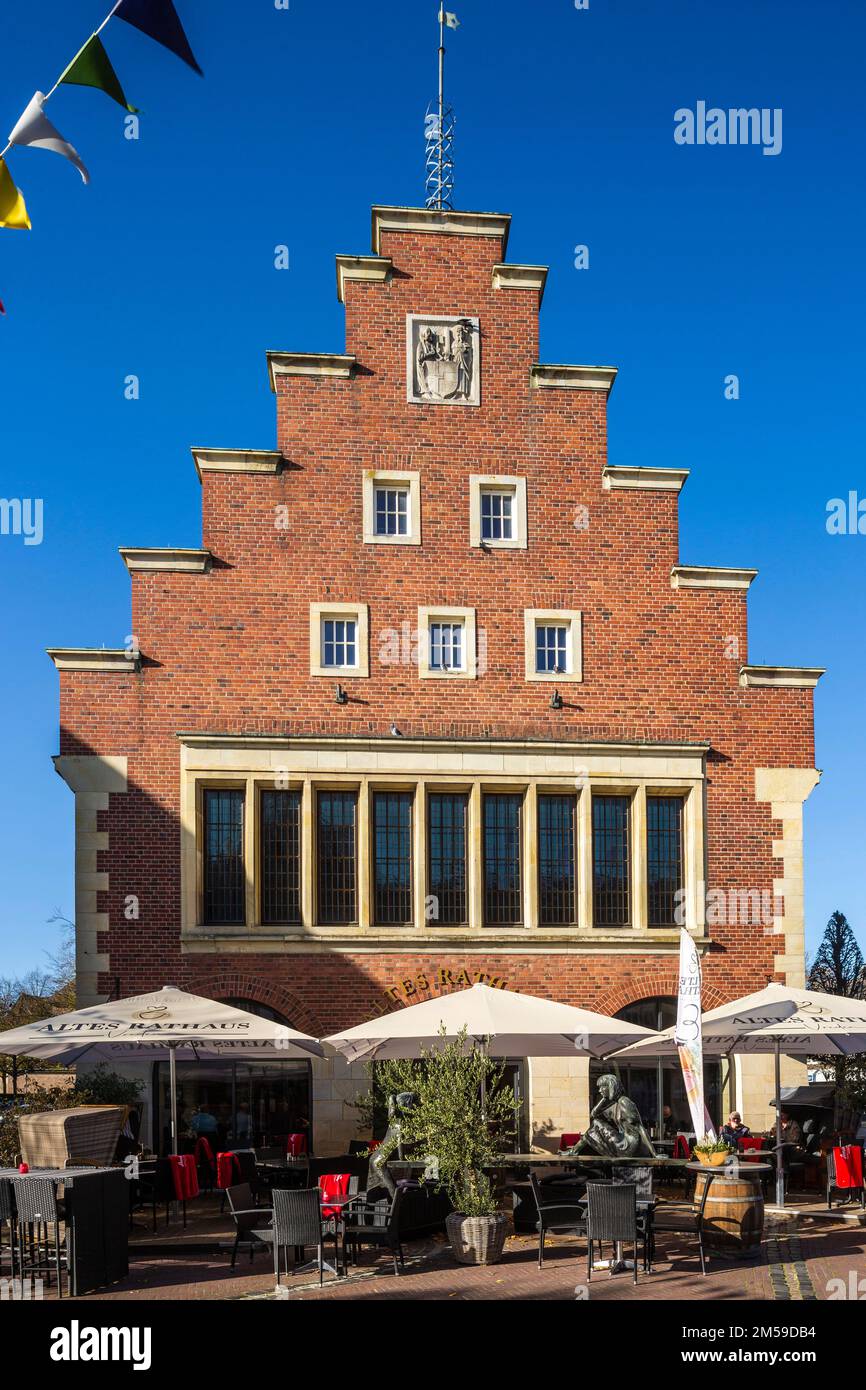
704 261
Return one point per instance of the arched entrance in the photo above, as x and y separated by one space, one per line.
236 1104
655 1084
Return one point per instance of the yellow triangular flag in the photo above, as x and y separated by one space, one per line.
13 210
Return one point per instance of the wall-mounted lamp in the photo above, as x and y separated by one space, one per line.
341 697
556 701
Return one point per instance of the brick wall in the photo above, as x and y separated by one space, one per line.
227 651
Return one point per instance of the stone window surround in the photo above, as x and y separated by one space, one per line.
498 482
554 617
359 613
466 616
325 768
374 478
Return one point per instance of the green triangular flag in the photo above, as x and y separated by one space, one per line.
92 68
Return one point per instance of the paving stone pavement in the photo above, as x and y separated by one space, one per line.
788 1267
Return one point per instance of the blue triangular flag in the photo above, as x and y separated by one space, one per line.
159 20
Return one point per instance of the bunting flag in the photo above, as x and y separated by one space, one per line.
35 129
13 210
159 20
92 68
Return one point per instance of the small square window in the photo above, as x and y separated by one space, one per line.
551 649
447 647
497 516
392 511
392 507
339 643
447 643
497 512
554 640
338 639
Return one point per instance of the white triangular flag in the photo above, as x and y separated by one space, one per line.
35 129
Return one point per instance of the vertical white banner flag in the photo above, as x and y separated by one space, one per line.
688 1037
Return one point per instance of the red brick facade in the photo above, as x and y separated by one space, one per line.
227 651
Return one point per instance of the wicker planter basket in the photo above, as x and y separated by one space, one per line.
477 1240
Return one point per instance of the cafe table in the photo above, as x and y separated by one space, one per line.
96 1202
733 1215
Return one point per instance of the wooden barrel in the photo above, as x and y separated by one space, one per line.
733 1216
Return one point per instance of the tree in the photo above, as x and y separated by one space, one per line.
463 1108
39 994
839 968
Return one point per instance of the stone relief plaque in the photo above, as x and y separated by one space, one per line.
443 360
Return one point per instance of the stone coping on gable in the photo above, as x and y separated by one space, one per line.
711 577
439 221
571 377
621 476
269 461
115 661
334 366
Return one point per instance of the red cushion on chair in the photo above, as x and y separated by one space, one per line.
751 1148
568 1141
203 1151
296 1144
334 1185
184 1176
849 1166
228 1170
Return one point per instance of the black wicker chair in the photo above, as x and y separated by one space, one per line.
377 1224
7 1219
249 1221
611 1214
681 1221
296 1224
560 1215
37 1208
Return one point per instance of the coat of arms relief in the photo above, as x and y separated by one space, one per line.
443 360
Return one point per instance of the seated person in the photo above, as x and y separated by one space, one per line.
670 1128
791 1131
735 1130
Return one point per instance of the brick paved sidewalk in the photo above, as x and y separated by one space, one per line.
788 1267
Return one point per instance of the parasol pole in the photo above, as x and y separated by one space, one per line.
780 1176
172 1072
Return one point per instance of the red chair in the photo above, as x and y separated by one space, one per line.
845 1172
184 1176
682 1148
228 1170
568 1141
751 1148
205 1162
296 1144
333 1185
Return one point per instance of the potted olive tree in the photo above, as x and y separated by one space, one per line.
463 1107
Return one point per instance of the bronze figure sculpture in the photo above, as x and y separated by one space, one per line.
615 1129
397 1105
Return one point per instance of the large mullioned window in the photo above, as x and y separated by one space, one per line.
664 859
224 883
503 895
557 878
392 858
337 858
446 850
611 889
280 842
